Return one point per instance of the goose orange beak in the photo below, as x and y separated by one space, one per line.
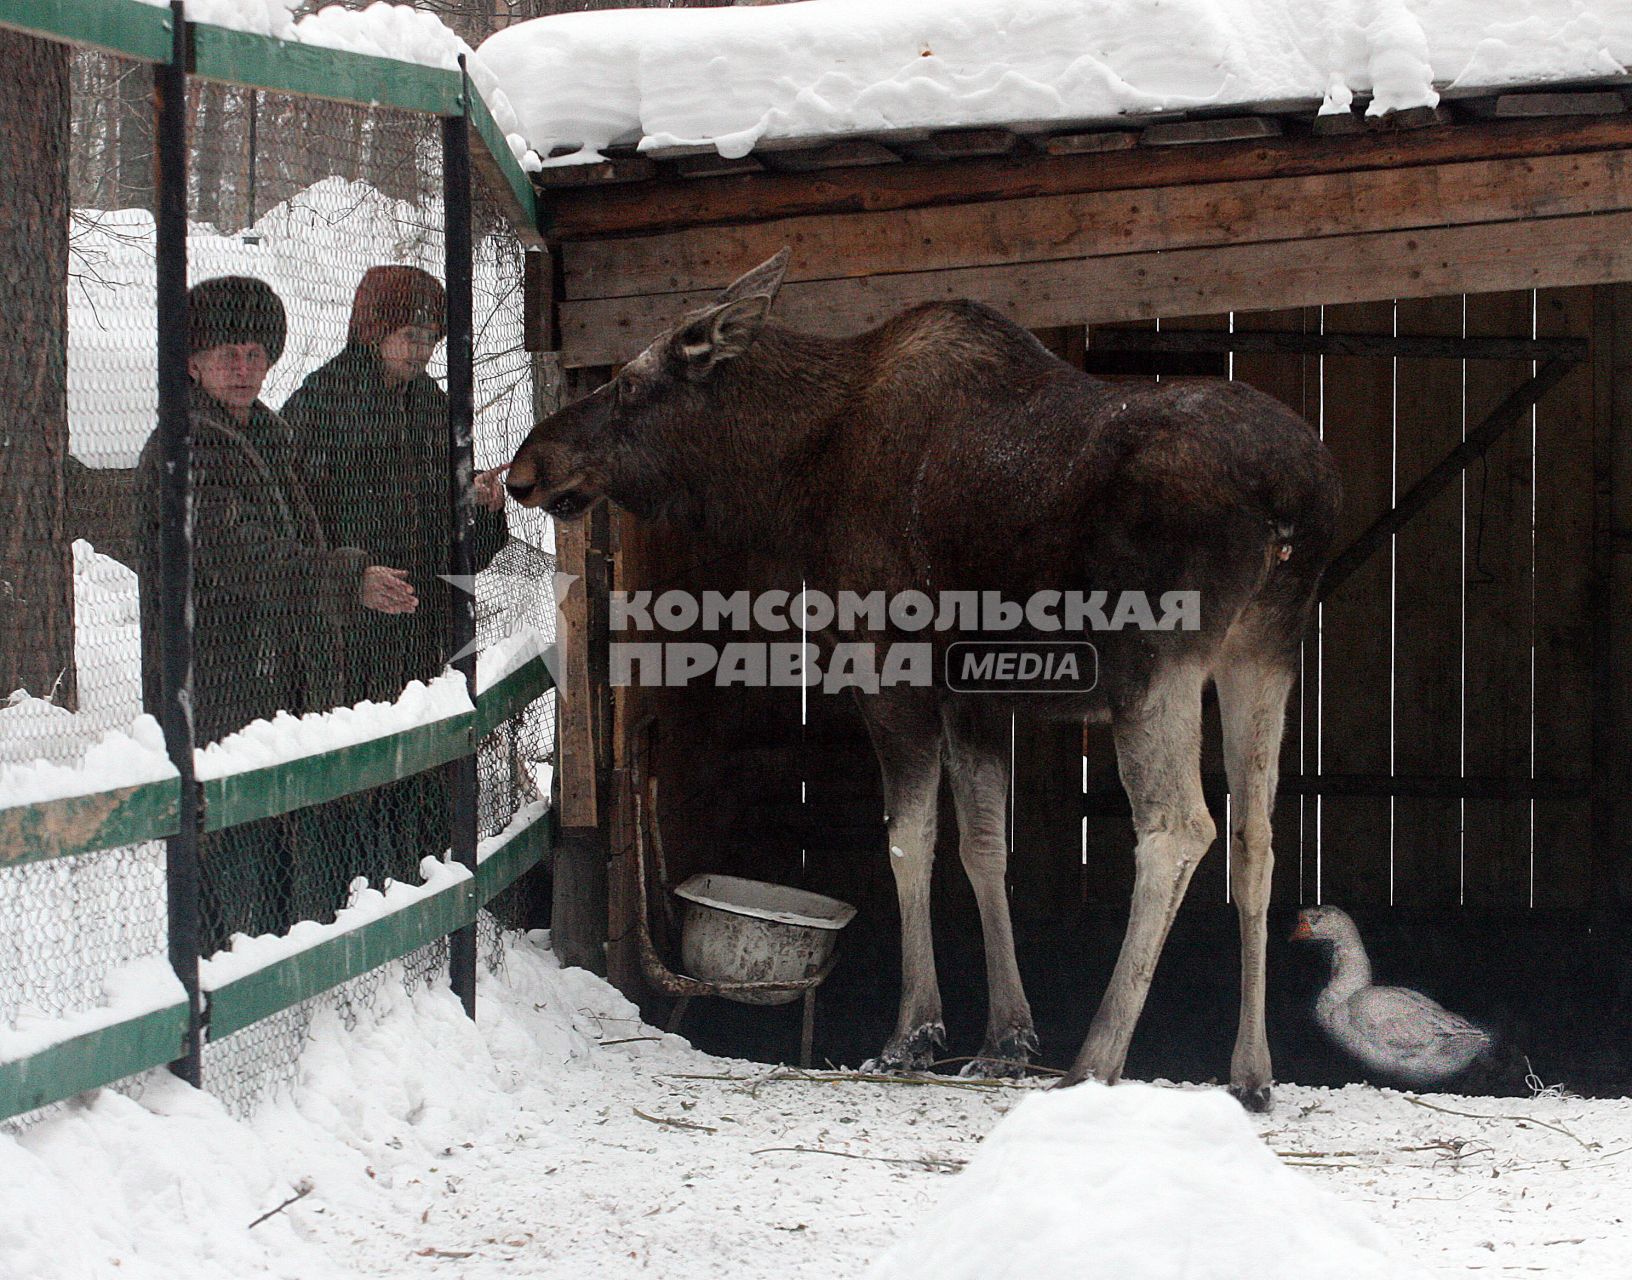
1300 931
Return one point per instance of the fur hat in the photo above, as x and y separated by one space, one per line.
392 298
233 309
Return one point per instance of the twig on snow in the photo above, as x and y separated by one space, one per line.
849 1077
678 1124
1002 1062
1472 1115
303 1188
934 1164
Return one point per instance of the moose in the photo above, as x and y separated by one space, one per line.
948 450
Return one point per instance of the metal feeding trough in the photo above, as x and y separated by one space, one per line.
740 931
742 940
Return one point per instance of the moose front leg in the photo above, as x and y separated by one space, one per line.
909 756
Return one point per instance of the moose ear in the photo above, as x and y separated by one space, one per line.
763 281
723 332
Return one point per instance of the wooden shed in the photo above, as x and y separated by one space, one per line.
1446 292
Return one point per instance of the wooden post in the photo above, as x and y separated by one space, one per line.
578 916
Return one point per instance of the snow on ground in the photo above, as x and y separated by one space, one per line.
562 1137
731 76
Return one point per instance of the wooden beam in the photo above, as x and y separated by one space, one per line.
1112 799
1489 431
640 207
1402 346
1060 228
1420 264
1183 133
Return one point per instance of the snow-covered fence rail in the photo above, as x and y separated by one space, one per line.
315 756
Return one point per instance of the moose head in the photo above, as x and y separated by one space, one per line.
626 440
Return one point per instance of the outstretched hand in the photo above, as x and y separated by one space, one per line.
387 590
489 489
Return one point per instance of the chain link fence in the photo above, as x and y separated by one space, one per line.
322 519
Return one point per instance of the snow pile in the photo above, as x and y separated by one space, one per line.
263 743
1140 1183
122 758
733 76
137 987
246 955
107 660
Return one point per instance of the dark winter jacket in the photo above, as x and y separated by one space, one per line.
272 597
375 458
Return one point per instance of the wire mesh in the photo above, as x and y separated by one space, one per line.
319 469
76 148
515 590
321 508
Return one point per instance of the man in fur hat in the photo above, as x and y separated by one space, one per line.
272 595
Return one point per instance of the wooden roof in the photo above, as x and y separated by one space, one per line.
1062 224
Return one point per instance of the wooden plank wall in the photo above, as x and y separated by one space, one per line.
1357 402
1428 614
1422 665
1565 600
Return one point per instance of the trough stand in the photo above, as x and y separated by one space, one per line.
683 988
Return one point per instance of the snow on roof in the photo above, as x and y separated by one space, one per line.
733 76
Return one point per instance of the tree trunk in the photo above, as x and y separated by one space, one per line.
36 560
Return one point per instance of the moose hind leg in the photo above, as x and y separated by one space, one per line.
911 765
1158 751
980 781
1252 704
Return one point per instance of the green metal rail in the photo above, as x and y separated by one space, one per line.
143 31
130 815
111 1053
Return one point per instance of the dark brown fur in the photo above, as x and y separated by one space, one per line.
947 450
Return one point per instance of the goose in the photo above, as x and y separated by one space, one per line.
1394 1031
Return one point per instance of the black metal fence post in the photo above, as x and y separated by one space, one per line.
175 530
456 200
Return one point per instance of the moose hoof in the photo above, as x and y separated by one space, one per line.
1255 1099
916 1051
1003 1059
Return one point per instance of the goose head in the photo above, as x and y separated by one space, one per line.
1324 924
